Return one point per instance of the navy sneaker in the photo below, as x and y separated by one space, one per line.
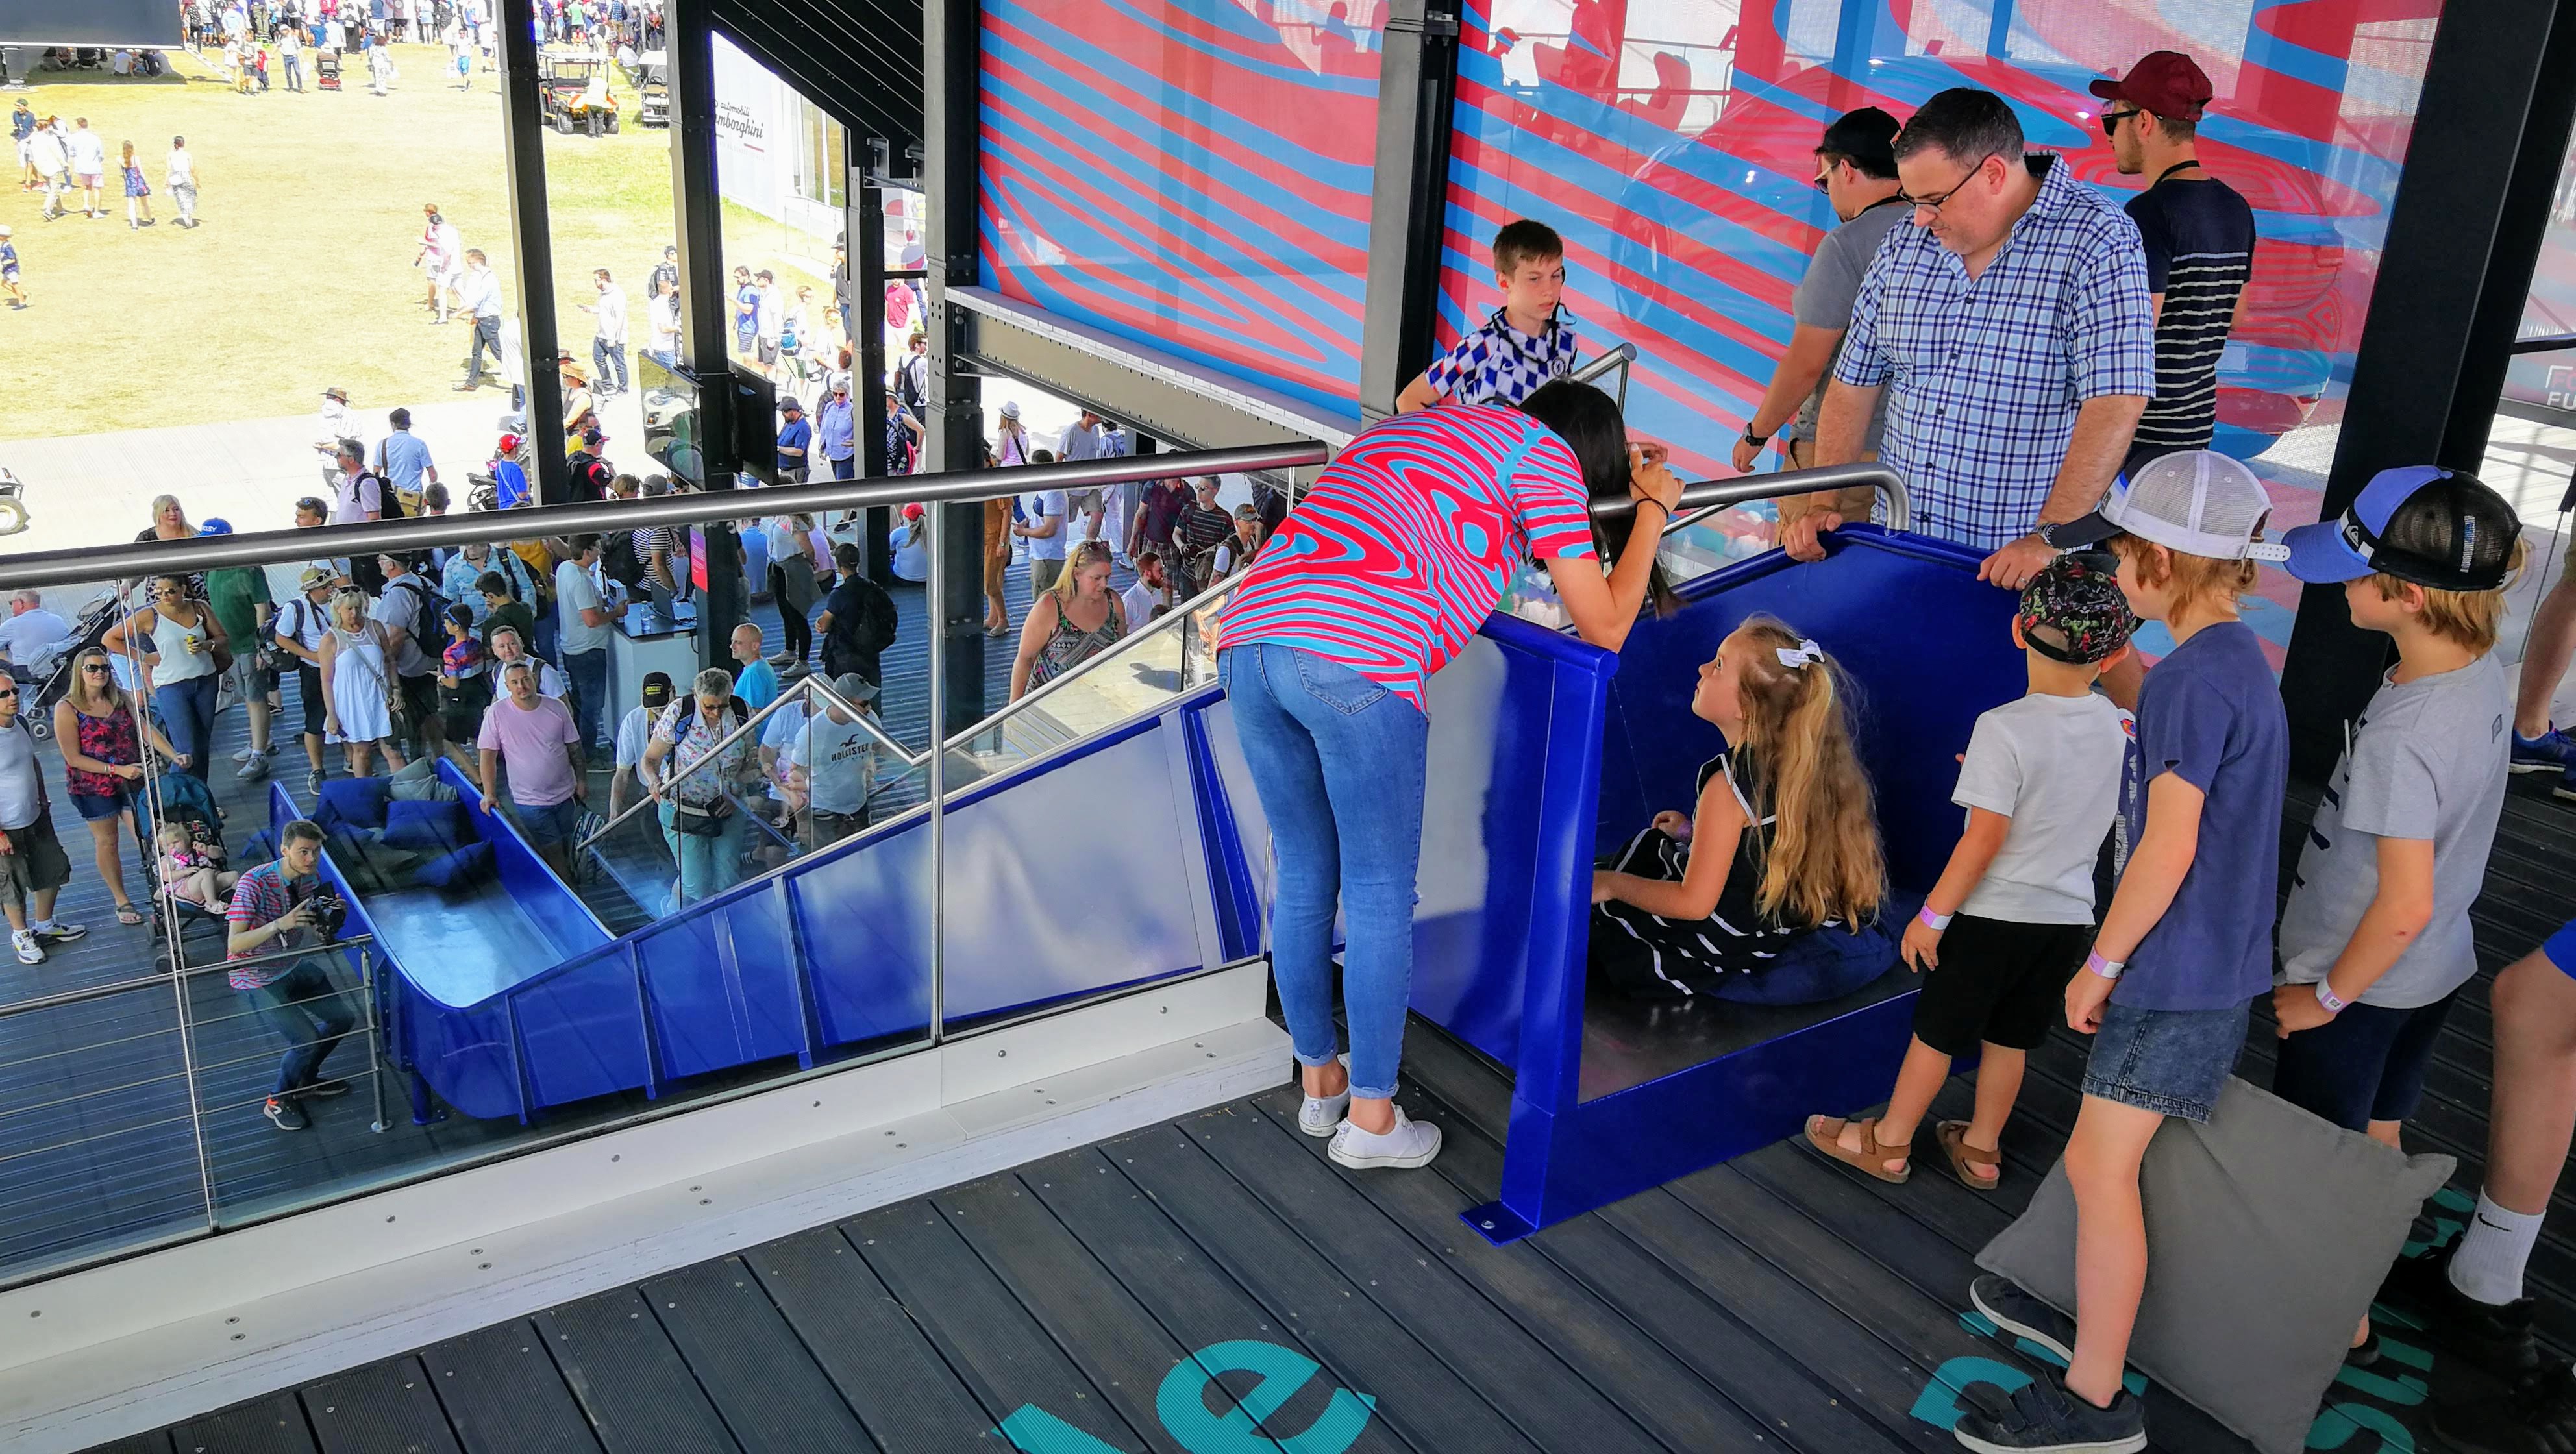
2497 1339
2551 751
2041 1417
2015 1311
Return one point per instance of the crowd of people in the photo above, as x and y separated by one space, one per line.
2037 361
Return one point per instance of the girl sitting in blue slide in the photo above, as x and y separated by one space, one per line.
1768 892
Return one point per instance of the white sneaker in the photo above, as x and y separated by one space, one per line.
1322 1115
1407 1144
29 951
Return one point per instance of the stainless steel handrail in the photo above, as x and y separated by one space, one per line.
156 981
804 689
1708 496
1623 358
268 547
1172 620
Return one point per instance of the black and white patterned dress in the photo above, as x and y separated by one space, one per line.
1651 957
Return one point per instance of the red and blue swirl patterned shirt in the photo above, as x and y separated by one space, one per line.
1402 548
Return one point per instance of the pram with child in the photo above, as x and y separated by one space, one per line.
49 676
189 875
326 69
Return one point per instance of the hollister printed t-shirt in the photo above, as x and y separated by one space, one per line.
1403 547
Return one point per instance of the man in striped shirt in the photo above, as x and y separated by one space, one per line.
2199 237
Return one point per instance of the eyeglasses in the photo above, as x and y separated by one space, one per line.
1935 204
9 694
1822 177
2111 119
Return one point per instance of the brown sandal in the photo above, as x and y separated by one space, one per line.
1953 1136
1825 1134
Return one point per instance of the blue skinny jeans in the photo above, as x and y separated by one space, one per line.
1338 762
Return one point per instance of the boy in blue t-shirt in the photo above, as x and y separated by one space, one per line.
2187 942
1528 341
9 270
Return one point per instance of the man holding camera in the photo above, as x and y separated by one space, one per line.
279 906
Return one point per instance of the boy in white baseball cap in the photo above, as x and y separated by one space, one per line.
2186 945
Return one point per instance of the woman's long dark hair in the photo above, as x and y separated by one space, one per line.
1589 423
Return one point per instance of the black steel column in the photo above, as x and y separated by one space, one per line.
523 125
951 75
1408 210
705 327
2465 230
865 260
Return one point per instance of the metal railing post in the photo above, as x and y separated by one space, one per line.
375 1032
934 597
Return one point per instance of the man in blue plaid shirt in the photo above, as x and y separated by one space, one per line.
2013 323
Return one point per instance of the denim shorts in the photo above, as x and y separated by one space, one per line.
2171 1062
547 824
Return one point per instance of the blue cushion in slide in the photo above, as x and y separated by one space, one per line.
353 802
432 827
461 869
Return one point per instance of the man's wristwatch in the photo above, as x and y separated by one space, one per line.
1751 438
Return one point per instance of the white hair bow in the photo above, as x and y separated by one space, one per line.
1799 655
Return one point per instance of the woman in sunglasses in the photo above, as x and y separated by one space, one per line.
183 646
102 737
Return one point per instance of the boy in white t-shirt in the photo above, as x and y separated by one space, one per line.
2012 916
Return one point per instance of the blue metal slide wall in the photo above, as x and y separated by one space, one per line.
1082 872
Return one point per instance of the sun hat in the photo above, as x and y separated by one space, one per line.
2435 527
2196 501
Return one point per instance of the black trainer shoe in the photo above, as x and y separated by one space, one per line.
2537 1417
2497 1339
286 1114
2015 1311
2041 1417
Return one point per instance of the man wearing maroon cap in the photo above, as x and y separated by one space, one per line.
2199 236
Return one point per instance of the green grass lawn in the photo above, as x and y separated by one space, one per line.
301 275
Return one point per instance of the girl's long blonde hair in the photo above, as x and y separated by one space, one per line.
1824 860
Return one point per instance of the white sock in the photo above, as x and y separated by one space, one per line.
2487 1265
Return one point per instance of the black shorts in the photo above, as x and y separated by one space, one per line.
1998 983
420 699
308 688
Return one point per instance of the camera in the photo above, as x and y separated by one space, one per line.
330 912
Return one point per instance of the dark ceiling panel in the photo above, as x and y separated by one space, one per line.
859 60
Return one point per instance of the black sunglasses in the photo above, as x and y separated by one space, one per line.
2111 120
96 669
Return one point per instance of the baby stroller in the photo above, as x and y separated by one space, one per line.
326 69
49 677
181 799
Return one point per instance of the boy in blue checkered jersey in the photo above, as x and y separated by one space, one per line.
1528 341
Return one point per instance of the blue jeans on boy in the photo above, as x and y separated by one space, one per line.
1339 762
187 711
589 673
305 1008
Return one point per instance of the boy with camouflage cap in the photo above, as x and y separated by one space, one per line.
2012 916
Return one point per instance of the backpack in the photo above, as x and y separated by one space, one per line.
429 625
861 636
618 561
